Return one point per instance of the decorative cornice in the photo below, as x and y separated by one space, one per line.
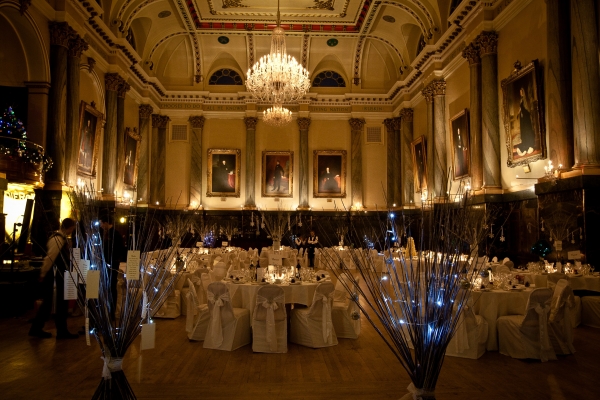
60 33
91 64
160 121
303 123
488 42
123 88
77 46
471 53
406 114
250 122
112 82
356 124
146 111
390 125
197 121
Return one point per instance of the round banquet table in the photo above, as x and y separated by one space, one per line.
584 282
498 303
243 295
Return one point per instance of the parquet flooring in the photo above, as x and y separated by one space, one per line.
355 369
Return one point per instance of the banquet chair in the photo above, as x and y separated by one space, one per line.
219 271
508 263
228 327
555 277
590 313
471 334
526 336
269 322
313 327
197 317
576 313
559 323
502 269
345 313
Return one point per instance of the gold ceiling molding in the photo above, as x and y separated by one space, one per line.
318 5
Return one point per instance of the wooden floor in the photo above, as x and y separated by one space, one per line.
355 369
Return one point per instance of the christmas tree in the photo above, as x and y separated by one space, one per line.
11 126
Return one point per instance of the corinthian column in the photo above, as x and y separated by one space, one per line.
197 122
405 193
250 161
488 47
158 159
471 53
356 132
390 139
303 124
121 93
428 188
76 47
112 83
60 34
586 83
145 112
440 164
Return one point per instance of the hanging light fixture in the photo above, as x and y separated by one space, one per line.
277 77
277 115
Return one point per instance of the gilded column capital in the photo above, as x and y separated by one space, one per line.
438 87
471 53
197 121
407 114
303 123
123 88
77 46
160 121
356 124
390 124
112 82
427 92
146 111
60 33
488 42
250 122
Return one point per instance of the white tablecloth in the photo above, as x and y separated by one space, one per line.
584 282
498 303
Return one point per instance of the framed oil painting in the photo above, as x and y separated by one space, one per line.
329 173
132 148
223 173
419 154
90 123
277 173
523 102
461 155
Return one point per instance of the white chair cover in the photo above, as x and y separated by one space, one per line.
527 336
559 323
345 313
228 327
471 334
555 277
197 317
219 271
269 324
590 311
313 327
502 269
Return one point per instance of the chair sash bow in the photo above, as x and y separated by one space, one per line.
271 306
326 316
215 328
546 349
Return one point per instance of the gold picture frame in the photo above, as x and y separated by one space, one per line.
132 151
329 173
461 150
277 173
524 122
223 173
419 155
90 125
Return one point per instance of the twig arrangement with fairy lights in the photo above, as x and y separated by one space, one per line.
416 303
277 224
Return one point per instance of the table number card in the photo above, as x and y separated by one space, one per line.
148 336
133 265
275 259
224 244
574 255
93 284
70 285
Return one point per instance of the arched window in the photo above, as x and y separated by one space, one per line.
225 76
328 79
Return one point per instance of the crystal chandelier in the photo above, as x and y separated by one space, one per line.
277 77
277 115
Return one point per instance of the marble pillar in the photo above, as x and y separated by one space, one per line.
145 111
197 123
250 122
471 53
158 159
60 34
112 82
356 175
390 140
586 83
406 166
37 104
303 124
487 42
558 85
76 47
440 164
427 189
399 177
121 93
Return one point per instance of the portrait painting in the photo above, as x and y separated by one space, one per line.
461 155
90 122
329 173
223 173
524 124
132 142
419 153
277 173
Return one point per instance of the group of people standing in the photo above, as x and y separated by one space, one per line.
309 244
